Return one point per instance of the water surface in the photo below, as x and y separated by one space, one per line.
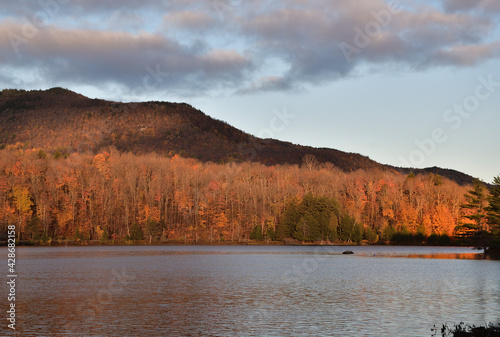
251 290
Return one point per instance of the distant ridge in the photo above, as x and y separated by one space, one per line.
60 119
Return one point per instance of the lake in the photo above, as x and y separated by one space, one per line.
250 290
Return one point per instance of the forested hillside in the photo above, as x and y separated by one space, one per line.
114 195
59 120
82 169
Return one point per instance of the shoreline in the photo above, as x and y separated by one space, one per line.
72 243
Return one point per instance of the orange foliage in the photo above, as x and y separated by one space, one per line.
206 201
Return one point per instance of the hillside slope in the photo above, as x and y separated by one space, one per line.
59 119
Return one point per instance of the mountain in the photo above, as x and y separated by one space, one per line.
61 120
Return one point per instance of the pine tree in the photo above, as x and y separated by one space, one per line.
475 208
346 228
291 216
256 233
476 201
493 209
136 232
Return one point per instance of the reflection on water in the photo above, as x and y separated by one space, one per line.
457 256
252 291
438 256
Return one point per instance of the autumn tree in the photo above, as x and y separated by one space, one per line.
310 162
173 198
22 203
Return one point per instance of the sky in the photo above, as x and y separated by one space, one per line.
407 83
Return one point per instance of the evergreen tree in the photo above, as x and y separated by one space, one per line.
153 229
476 200
270 234
256 233
370 235
476 212
104 236
314 219
307 228
301 230
493 209
289 220
333 225
136 232
357 233
33 228
346 228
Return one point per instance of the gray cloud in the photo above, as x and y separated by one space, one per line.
269 83
467 5
309 38
93 57
228 44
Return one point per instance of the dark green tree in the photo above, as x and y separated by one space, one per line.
153 229
256 233
307 228
104 236
388 233
333 226
33 228
346 228
136 233
475 208
289 220
314 219
357 233
493 210
370 235
270 234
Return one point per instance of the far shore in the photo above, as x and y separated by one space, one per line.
78 243
491 254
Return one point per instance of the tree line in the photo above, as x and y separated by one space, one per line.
122 196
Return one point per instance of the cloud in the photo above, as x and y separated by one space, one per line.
229 44
87 56
269 83
466 5
190 20
467 55
308 38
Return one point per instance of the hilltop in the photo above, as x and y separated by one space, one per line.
61 120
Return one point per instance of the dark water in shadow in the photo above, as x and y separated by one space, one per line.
250 291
